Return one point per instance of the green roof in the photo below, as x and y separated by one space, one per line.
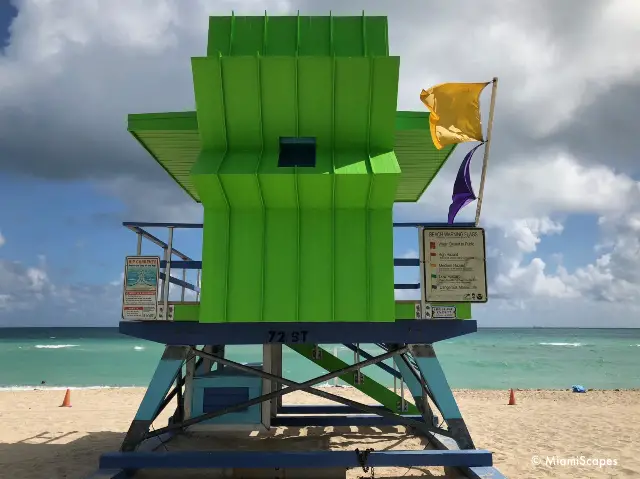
173 140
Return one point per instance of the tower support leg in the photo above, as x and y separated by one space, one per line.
416 387
436 383
166 372
275 364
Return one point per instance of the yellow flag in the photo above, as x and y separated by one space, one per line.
455 112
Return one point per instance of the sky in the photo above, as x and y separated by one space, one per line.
562 198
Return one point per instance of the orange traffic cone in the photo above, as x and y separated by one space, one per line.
512 399
66 402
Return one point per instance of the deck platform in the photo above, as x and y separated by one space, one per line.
401 332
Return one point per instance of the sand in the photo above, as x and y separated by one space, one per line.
38 439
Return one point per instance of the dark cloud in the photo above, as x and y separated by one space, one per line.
71 123
606 131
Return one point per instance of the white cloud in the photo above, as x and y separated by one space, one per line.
2 240
153 201
528 200
596 190
28 297
553 59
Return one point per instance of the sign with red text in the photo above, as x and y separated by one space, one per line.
140 293
454 266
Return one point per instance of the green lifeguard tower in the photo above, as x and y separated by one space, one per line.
297 154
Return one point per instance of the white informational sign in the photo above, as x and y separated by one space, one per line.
170 308
435 312
443 312
454 266
140 294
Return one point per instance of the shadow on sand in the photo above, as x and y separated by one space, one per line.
75 455
54 455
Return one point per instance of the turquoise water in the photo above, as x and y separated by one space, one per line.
488 359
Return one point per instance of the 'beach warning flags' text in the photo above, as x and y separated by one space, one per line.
455 112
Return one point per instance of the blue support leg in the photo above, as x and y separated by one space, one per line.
415 388
437 384
166 373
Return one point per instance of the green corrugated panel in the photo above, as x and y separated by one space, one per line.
303 243
298 35
241 101
419 159
208 92
176 150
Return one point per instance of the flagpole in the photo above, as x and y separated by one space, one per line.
487 145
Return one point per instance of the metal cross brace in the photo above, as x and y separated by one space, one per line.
272 395
306 386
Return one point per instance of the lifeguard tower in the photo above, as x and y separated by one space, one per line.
297 154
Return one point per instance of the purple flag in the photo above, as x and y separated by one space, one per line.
462 189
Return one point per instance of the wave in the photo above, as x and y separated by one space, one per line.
76 388
138 348
489 363
63 388
575 345
55 346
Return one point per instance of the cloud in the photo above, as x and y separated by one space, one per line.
2 240
151 201
104 61
29 298
529 200
71 75
595 190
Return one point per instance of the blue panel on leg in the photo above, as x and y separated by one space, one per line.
436 381
408 378
163 378
166 372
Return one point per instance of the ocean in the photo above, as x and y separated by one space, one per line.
489 359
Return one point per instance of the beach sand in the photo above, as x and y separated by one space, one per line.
39 439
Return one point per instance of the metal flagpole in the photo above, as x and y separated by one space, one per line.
487 145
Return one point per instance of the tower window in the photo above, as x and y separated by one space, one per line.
297 152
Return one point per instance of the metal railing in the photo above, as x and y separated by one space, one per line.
185 263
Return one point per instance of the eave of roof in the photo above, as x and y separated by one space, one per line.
174 142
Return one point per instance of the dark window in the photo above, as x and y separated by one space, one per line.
297 152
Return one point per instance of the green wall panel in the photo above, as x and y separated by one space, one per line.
316 265
281 273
